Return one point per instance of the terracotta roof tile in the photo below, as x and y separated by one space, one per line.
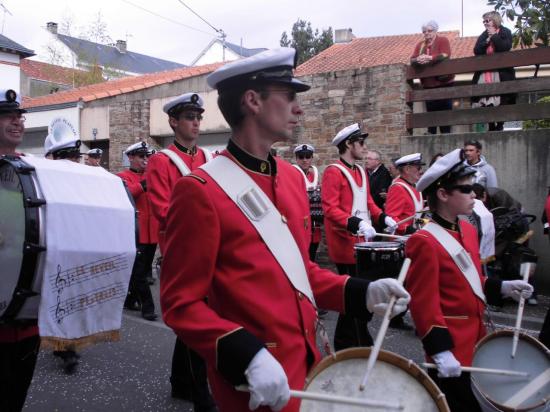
118 86
376 51
49 72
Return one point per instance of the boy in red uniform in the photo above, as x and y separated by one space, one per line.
448 290
243 222
349 211
134 178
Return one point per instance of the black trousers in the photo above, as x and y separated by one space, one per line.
17 362
189 376
437 106
544 336
313 251
350 332
139 287
458 392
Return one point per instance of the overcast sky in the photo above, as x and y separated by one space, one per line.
256 23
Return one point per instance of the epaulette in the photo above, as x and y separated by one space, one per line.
200 179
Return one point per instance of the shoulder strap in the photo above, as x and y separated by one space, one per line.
264 216
309 185
359 207
178 162
418 203
459 255
207 154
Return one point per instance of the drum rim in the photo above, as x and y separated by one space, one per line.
376 246
406 365
31 244
498 334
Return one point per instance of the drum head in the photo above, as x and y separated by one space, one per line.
512 393
378 246
393 379
12 232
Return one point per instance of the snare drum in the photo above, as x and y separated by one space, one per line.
505 393
376 260
315 206
393 379
21 240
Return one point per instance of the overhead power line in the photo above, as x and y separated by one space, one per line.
165 18
219 31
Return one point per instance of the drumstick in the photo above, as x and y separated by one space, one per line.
383 327
321 397
408 218
526 269
391 236
502 372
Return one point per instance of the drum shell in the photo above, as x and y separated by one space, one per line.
495 349
376 260
408 385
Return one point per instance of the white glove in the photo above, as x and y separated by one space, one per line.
391 225
447 365
380 292
267 382
366 230
516 289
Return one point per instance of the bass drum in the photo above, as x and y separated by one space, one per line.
21 240
393 379
505 393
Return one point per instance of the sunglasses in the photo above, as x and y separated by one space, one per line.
427 31
466 189
486 21
143 155
192 116
360 141
304 156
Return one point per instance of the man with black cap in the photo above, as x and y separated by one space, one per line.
134 177
403 200
304 163
448 290
246 235
93 157
19 343
188 376
349 212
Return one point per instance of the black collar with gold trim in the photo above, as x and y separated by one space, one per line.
265 167
348 165
136 171
190 152
445 223
406 181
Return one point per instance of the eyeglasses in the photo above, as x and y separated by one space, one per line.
192 116
466 189
304 156
427 31
290 94
486 21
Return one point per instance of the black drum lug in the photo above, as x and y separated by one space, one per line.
33 248
24 293
34 202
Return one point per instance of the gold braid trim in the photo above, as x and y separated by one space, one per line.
60 344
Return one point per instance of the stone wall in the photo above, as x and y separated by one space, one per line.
373 97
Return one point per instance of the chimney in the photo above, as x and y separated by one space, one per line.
343 36
51 27
121 46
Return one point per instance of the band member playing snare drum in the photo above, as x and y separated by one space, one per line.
304 159
19 343
448 290
240 221
349 211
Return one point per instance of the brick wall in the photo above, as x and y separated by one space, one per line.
374 97
128 123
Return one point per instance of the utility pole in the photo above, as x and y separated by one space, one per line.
222 36
4 17
462 18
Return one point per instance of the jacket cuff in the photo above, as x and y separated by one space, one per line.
437 340
355 298
492 291
234 353
353 224
381 218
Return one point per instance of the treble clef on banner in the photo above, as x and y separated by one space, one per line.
59 311
60 282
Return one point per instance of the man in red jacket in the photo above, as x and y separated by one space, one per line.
243 221
403 200
134 177
349 212
19 343
448 300
188 377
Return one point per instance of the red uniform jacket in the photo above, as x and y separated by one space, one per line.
148 224
440 50
340 226
162 175
446 312
316 234
213 250
399 204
